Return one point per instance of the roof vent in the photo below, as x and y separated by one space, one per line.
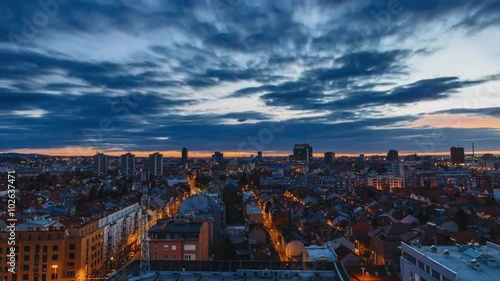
433 248
492 262
446 253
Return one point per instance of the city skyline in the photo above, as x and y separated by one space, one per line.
350 76
160 140
233 154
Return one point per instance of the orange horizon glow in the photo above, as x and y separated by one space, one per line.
461 121
85 151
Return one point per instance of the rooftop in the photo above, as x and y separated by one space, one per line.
180 226
254 275
320 253
236 271
469 262
253 209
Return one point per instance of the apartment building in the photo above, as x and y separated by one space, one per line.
50 252
71 248
179 240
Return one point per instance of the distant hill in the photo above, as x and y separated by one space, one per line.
21 155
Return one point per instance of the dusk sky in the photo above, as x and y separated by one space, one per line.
232 75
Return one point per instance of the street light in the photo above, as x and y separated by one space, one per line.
54 267
363 268
111 259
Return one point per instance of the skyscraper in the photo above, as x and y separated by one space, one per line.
217 158
156 164
127 164
184 155
101 164
393 155
457 155
302 153
329 156
259 155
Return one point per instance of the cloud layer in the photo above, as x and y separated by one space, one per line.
348 76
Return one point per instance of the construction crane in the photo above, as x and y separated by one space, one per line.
145 267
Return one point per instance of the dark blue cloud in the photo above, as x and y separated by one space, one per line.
422 90
230 41
361 64
486 111
339 69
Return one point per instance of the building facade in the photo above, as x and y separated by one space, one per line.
386 182
155 163
302 153
457 155
101 162
184 155
218 158
393 155
121 230
329 156
179 240
51 252
127 164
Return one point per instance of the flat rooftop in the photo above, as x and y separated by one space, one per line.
256 275
320 253
179 226
235 270
459 260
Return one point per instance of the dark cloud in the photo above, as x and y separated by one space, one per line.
230 41
361 64
339 68
303 97
23 65
486 111
422 90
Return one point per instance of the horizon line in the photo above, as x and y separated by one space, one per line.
85 152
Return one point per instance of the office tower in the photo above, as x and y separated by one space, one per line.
184 155
156 164
393 155
217 158
101 164
457 155
127 164
259 155
329 156
302 153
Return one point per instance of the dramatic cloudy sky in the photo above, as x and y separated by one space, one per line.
232 75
